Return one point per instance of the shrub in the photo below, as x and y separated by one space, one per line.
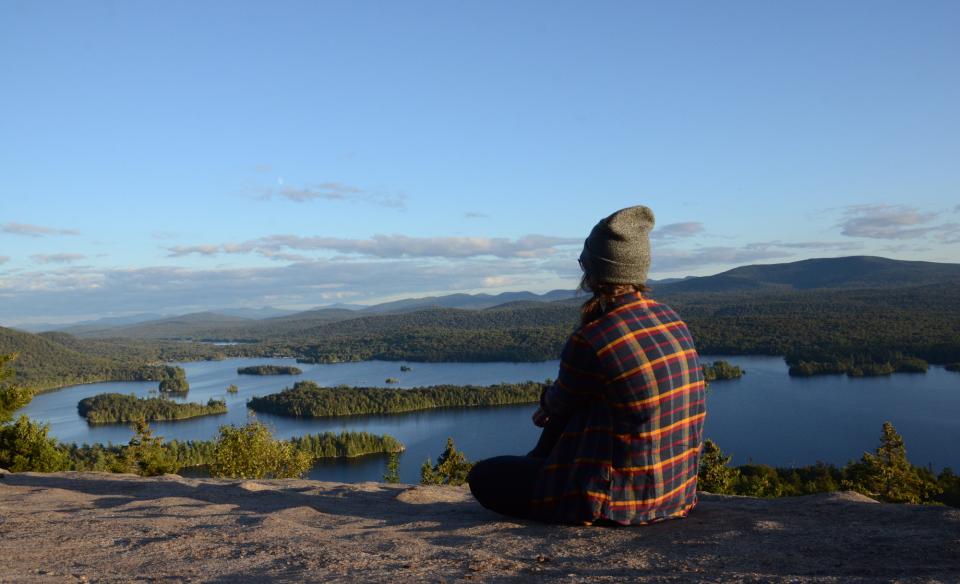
251 452
25 447
146 454
715 476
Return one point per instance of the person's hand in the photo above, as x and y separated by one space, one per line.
540 418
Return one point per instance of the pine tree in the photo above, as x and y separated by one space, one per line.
451 469
887 475
392 474
715 476
147 454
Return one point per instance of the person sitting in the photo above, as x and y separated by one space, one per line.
623 422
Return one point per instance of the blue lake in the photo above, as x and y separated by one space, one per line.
765 417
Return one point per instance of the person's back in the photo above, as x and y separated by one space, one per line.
623 422
630 453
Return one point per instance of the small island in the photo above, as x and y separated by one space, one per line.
392 380
233 389
117 408
269 370
721 370
174 381
306 399
404 368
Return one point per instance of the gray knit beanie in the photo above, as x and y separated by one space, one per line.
618 248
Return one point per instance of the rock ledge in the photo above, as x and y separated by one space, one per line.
118 528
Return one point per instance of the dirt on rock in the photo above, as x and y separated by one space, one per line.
93 527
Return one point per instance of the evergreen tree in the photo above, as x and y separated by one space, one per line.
715 476
887 475
451 469
147 455
392 474
25 447
12 396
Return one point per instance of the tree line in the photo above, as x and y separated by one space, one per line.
269 370
885 475
306 399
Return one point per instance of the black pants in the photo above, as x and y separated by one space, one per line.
505 483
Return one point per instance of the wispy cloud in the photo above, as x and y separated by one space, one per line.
88 290
28 230
57 258
677 230
886 222
475 215
388 246
331 191
4 259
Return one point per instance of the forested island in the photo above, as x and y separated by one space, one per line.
174 381
306 399
721 370
118 408
269 370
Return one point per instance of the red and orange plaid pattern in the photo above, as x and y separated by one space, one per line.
631 384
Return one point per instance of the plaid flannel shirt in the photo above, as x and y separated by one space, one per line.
632 389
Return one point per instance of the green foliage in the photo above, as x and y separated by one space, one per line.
721 370
345 444
860 364
113 408
146 454
451 469
12 396
25 446
174 381
392 472
194 453
308 400
715 474
949 484
269 370
251 452
887 475
232 389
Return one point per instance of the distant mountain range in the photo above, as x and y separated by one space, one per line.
845 272
828 273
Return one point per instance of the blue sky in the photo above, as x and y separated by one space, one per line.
179 156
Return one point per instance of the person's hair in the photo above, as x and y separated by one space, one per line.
602 293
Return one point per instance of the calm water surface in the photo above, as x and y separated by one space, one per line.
765 417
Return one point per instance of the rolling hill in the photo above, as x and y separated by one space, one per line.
846 272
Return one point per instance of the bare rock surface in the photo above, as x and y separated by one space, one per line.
77 527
